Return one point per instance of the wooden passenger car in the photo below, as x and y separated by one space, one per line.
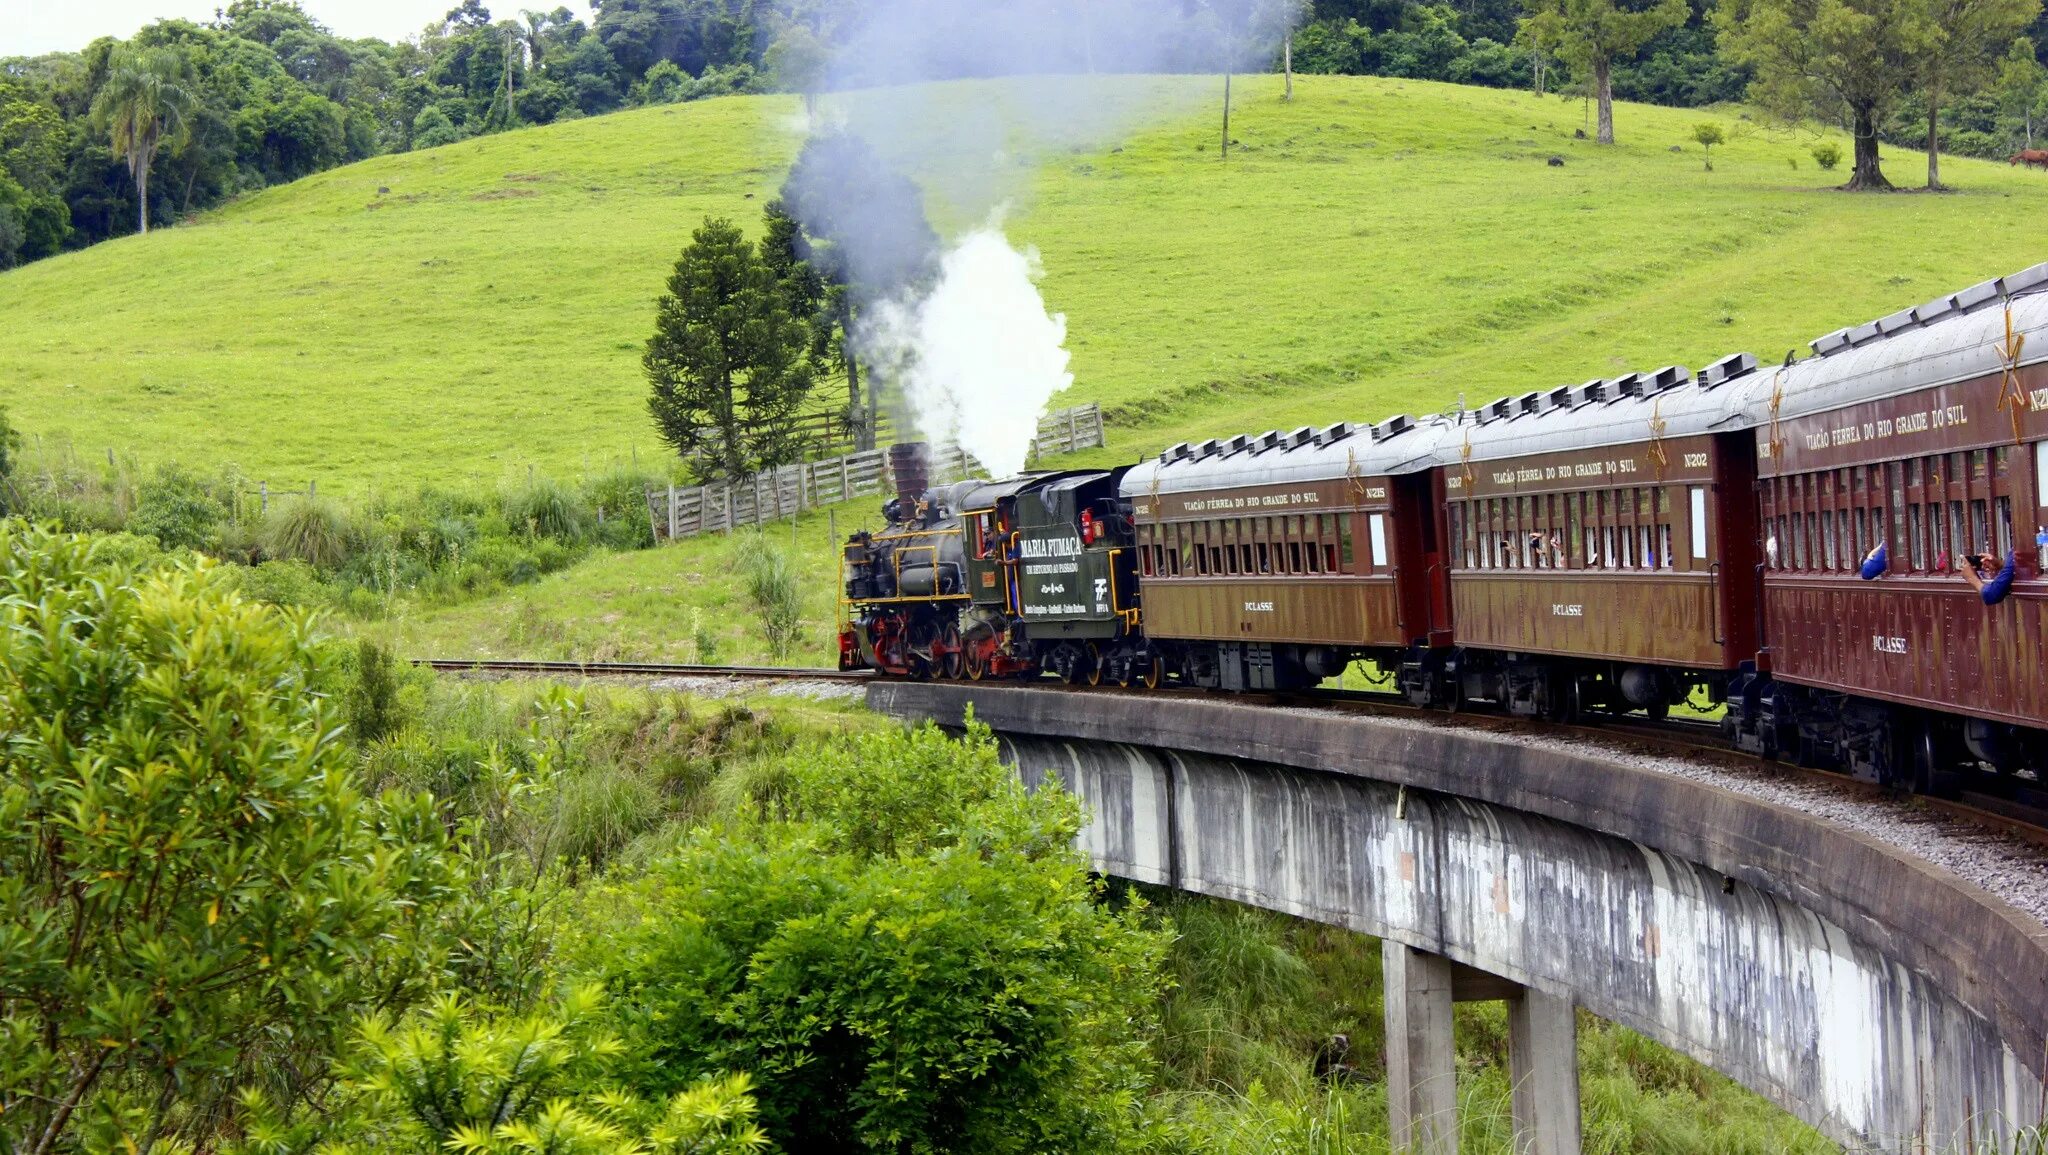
1920 432
1277 559
1603 544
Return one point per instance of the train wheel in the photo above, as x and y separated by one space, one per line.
1093 658
976 662
948 652
1155 673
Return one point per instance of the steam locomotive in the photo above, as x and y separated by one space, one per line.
1786 541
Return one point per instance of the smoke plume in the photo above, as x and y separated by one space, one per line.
966 342
978 358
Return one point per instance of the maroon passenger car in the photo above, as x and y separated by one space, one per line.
1924 433
1603 537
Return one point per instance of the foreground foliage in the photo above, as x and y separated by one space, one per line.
193 892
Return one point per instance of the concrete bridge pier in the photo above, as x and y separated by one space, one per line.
1422 1075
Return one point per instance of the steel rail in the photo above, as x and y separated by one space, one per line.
640 669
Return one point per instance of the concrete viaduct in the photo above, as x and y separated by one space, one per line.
1883 1000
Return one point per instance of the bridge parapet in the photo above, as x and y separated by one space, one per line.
1876 996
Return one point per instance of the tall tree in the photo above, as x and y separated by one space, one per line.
728 365
1957 55
145 105
2022 87
1820 56
1595 35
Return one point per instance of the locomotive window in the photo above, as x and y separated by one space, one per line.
1344 541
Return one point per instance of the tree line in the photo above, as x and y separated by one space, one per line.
183 116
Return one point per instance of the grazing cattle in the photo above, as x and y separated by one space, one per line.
2033 157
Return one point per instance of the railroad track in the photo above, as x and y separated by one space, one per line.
642 670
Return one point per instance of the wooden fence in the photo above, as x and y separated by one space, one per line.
686 511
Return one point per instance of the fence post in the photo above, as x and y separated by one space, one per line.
1073 430
263 497
312 489
672 511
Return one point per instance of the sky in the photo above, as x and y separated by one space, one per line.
33 27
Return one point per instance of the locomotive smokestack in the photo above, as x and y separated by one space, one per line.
910 467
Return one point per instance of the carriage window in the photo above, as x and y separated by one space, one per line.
2041 472
1699 521
1980 536
1344 553
1827 537
2001 527
1294 557
1265 558
1958 527
1376 525
1916 547
1809 543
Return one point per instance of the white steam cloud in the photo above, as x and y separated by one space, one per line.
978 356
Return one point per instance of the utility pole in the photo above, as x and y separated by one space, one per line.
511 42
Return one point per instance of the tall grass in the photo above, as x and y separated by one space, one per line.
769 580
544 507
314 530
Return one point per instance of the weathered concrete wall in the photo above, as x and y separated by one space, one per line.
1876 997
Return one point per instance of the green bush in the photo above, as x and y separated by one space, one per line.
285 582
149 713
950 989
622 496
1827 154
373 709
544 507
313 530
770 582
175 508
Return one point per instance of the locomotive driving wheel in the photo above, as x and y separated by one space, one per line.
947 651
1154 673
976 660
1093 660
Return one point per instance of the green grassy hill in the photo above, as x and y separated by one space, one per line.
1375 246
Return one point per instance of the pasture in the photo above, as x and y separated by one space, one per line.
462 314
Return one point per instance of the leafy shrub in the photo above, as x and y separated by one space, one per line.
174 507
202 975
545 507
1827 154
967 992
373 695
622 495
771 586
313 530
462 1077
285 582
703 637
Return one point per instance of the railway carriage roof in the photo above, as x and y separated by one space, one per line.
1954 338
1308 454
1601 412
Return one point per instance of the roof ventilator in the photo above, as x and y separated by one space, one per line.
2029 280
1561 397
1334 433
1832 343
1865 333
1628 385
1393 427
1306 435
1976 296
1502 409
1593 392
1896 322
1727 369
1528 404
1270 439
1669 377
1232 446
1209 448
1933 311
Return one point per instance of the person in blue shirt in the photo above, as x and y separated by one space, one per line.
1875 563
1994 588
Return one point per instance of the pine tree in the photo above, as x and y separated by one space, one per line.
728 364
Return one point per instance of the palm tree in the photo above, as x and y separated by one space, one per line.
145 104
